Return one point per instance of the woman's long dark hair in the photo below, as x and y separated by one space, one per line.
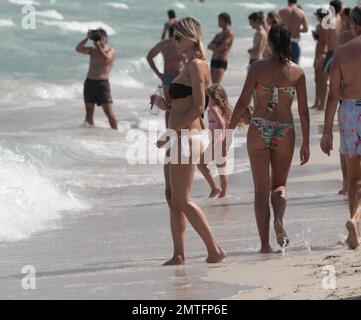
280 39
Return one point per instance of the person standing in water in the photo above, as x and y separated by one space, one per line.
345 84
169 25
331 43
172 61
320 36
221 46
259 39
96 86
188 100
296 19
275 81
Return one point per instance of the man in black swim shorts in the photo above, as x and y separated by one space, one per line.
96 86
221 46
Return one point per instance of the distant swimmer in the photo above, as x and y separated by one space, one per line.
169 25
96 86
345 85
296 19
221 46
256 21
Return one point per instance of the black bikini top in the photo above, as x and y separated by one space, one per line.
178 91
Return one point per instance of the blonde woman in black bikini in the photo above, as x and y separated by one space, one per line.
188 99
271 136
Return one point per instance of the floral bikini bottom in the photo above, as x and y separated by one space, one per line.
272 132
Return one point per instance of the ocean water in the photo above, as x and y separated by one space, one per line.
50 166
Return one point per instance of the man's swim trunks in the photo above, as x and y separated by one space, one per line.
349 121
97 91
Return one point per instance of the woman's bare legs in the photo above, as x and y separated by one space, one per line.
281 159
181 178
260 158
178 223
354 200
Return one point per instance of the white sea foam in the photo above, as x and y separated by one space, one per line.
5 23
77 26
180 5
252 5
52 91
126 81
25 2
53 14
30 200
316 6
118 5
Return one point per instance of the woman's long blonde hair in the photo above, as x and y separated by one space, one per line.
219 95
190 28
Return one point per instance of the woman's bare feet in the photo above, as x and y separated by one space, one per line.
217 257
266 250
175 261
281 235
215 192
343 191
354 239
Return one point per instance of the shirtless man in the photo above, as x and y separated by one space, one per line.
96 86
346 36
173 63
321 35
345 84
329 45
259 39
169 25
346 33
221 46
296 20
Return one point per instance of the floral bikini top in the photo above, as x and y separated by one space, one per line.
291 91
